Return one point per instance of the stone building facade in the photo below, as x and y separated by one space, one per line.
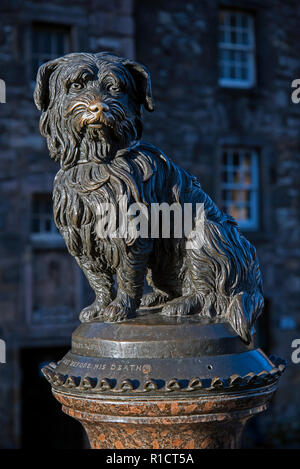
221 76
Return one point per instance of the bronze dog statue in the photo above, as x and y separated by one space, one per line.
91 118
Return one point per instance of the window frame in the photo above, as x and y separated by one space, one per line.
50 237
249 48
52 28
252 224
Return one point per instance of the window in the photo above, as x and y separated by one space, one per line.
48 42
42 223
239 185
236 49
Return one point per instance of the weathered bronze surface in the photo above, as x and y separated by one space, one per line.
158 355
91 118
183 371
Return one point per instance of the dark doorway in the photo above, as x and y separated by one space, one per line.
43 422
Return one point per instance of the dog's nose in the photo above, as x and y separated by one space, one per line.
98 107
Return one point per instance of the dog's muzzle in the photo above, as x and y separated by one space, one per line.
95 114
97 111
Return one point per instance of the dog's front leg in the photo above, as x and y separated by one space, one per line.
130 276
101 281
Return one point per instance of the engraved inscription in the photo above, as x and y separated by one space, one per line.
81 346
115 366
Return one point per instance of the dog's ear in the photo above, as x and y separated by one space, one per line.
141 76
42 93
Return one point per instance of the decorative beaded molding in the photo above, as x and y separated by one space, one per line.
96 385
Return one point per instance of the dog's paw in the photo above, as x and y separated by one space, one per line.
116 312
154 299
91 313
182 306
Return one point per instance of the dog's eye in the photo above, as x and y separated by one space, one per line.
76 86
113 88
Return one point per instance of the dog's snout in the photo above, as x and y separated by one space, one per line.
98 107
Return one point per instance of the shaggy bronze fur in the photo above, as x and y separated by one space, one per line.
91 118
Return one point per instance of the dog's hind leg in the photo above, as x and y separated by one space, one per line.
158 296
155 298
190 301
183 306
165 273
102 284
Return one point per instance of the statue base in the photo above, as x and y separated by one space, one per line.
163 382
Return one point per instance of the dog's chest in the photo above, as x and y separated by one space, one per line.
77 213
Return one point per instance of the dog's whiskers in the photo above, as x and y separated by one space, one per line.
78 104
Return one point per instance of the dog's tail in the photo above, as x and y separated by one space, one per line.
242 312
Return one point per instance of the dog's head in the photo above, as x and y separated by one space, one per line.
91 105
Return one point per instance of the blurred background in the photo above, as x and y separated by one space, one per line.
221 77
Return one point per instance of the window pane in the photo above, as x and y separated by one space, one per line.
35 225
236 159
247 178
239 185
232 19
232 55
244 20
225 176
224 55
233 37
236 49
233 211
34 41
247 160
244 195
235 195
232 72
42 214
48 42
244 73
60 43
243 213
245 38
226 195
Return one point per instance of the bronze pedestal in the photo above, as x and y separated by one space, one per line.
147 383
